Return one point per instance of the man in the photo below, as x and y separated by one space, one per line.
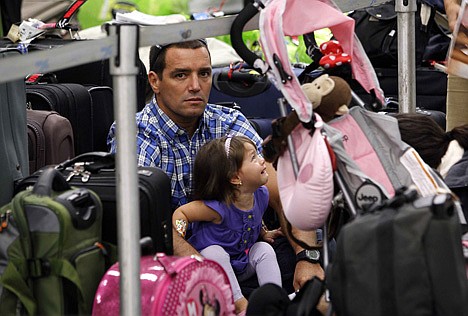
179 120
457 87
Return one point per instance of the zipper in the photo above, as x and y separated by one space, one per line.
96 245
43 96
41 141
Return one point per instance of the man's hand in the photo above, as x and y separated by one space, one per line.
305 271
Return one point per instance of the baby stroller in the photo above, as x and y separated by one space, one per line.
357 155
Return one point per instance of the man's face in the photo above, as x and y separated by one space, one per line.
183 91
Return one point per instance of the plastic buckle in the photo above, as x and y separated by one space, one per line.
39 267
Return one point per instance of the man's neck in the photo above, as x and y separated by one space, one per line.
190 125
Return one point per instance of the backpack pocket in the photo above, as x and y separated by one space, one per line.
90 265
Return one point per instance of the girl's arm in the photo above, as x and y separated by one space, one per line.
195 211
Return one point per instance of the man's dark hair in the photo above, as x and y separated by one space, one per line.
157 55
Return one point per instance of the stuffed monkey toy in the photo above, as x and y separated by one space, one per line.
329 95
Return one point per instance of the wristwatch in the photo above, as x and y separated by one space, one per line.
312 256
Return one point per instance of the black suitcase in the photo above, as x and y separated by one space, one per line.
70 100
94 73
431 87
96 171
103 114
97 74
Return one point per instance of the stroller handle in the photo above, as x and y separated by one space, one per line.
237 27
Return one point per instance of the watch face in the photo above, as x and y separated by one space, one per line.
312 254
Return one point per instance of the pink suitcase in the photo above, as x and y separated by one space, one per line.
171 285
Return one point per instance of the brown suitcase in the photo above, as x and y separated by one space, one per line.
50 139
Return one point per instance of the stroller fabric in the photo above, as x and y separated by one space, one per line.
306 198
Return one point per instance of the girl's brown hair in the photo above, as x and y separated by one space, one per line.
215 165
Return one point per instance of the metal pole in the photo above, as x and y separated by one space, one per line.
292 150
406 55
123 68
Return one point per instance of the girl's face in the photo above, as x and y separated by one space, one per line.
253 172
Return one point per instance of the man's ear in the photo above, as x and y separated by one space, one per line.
154 81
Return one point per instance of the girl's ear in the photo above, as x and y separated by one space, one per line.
236 180
154 81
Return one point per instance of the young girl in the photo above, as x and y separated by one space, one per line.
229 181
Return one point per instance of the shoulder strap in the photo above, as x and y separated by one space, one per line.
18 271
12 281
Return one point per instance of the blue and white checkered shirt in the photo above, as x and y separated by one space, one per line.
161 143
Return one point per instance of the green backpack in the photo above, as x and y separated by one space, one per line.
51 258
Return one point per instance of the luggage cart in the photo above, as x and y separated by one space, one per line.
121 47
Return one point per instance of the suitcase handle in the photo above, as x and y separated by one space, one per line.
102 160
244 16
50 180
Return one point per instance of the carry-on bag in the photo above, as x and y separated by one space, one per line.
50 139
402 258
70 100
171 285
51 255
96 171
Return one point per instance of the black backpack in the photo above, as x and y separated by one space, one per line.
376 28
403 258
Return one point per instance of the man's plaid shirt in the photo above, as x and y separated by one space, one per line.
161 143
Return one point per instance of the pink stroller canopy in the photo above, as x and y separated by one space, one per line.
293 18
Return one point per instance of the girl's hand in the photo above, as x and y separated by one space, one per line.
270 235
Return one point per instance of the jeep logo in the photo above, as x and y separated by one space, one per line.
367 198
367 194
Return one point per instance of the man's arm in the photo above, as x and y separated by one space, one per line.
181 246
304 270
452 7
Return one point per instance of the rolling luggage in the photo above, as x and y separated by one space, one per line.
70 100
50 139
103 114
171 285
102 106
96 171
